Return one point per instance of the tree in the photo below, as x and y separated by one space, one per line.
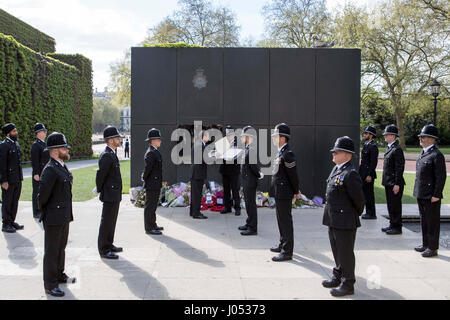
403 50
440 8
297 23
197 22
120 80
104 114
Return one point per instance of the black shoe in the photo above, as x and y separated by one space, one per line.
237 212
342 291
393 231
249 232
110 255
275 249
282 257
200 216
226 210
154 232
37 215
243 228
159 228
333 283
8 229
56 292
429 253
66 279
385 229
17 226
116 249
369 216
420 248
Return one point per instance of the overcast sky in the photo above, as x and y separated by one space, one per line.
103 29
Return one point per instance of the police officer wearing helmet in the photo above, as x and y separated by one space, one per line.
285 187
55 202
152 177
428 187
393 181
230 177
108 182
11 177
344 205
39 158
250 173
369 160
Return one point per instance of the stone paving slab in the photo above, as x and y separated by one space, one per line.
209 259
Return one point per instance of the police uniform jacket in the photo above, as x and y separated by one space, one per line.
152 175
198 171
369 160
10 162
344 198
250 172
39 156
55 194
285 181
393 166
109 178
430 174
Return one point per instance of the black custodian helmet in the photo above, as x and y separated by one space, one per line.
429 131
7 128
282 129
344 144
111 132
56 140
391 129
229 130
39 127
371 130
248 131
153 134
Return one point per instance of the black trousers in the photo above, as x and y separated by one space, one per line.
394 205
55 241
250 207
430 219
35 197
342 245
10 202
231 187
284 218
196 196
127 152
151 203
107 226
369 197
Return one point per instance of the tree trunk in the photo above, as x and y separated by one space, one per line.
401 132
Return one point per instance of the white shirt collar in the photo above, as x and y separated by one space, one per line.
390 144
41 140
279 149
427 148
339 166
60 162
10 139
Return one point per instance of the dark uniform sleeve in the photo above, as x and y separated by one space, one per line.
104 165
35 159
149 163
290 163
399 166
255 169
440 173
48 179
373 158
3 162
353 184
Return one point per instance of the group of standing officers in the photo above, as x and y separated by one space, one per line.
348 192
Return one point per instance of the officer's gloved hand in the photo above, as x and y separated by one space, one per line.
261 175
94 191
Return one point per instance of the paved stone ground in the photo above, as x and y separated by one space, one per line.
208 259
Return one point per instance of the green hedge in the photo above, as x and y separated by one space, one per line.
25 34
172 45
37 88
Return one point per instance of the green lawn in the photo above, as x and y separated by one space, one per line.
408 192
83 183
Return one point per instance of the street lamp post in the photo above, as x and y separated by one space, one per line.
435 90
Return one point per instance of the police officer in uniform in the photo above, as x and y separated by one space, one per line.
430 180
11 177
198 176
39 158
109 184
250 175
55 201
393 181
344 205
127 148
152 177
285 187
230 177
369 160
